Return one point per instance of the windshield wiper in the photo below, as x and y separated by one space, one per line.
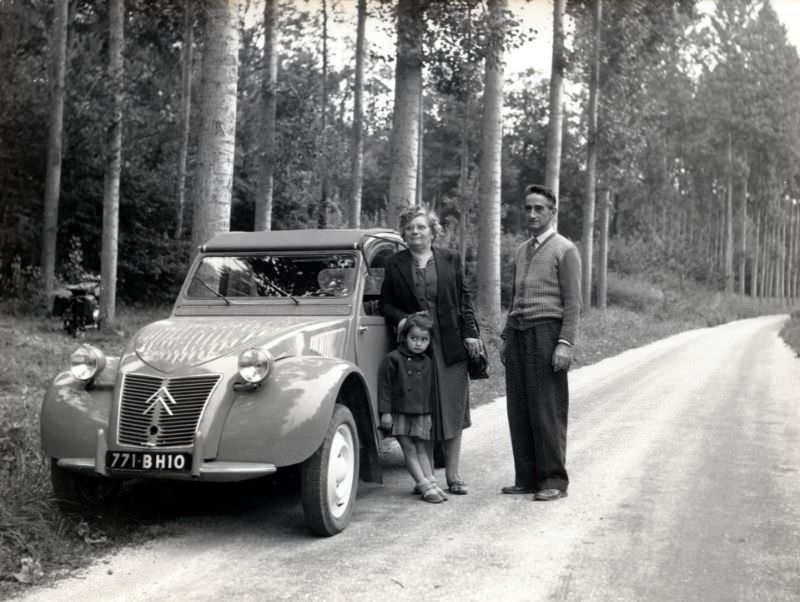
208 286
284 293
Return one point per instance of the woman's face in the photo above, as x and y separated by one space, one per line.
417 234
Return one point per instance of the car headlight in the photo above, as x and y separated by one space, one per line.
86 361
255 365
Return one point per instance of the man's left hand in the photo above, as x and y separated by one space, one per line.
562 357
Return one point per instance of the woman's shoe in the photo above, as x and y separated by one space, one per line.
457 487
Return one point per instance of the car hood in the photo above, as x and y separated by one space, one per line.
174 344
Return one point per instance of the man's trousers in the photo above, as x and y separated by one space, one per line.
538 401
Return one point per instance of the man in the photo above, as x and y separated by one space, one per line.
537 350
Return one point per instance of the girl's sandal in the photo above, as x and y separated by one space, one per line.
418 490
430 494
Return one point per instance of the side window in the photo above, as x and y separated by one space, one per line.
374 279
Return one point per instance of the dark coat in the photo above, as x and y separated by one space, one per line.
455 315
405 384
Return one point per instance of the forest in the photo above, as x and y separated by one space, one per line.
132 130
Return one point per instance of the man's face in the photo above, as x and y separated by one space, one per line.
539 211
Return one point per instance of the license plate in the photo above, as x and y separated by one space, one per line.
155 461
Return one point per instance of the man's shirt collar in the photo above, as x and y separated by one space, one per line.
544 235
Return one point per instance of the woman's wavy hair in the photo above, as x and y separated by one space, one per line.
411 213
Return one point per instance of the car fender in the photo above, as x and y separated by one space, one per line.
284 420
72 413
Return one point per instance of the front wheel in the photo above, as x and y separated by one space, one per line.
329 479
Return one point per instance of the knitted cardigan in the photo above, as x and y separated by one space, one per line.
546 284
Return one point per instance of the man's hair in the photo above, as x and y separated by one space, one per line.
543 191
421 319
411 213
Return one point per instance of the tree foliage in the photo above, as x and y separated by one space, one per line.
676 78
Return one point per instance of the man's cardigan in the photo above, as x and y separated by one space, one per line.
546 285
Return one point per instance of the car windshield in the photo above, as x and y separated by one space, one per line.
290 276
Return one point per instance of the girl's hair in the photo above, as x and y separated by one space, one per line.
412 213
421 320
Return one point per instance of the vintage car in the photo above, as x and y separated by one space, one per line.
268 361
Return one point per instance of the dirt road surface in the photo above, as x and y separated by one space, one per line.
684 460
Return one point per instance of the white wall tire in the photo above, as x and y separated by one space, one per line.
330 476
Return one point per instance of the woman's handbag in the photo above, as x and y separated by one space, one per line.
478 367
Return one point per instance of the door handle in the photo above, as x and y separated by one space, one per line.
362 329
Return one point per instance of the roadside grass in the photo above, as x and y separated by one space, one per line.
39 542
791 332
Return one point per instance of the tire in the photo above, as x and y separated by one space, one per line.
329 479
73 490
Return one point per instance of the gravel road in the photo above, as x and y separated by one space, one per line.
683 455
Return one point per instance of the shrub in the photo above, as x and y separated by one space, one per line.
23 289
635 256
636 294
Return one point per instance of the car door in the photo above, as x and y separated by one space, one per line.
373 340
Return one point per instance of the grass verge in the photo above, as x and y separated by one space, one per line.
791 332
36 540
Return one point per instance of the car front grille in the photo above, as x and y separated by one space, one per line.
157 412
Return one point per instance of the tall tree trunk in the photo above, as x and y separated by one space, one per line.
420 148
781 292
554 126
269 100
212 212
791 269
464 198
763 270
770 260
357 159
323 152
187 55
587 237
729 220
743 228
52 185
796 237
405 120
463 178
721 238
602 259
490 184
754 270
116 77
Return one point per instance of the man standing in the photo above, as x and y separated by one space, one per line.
537 350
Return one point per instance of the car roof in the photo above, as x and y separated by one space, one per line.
309 239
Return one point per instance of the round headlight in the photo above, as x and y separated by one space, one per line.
255 364
86 361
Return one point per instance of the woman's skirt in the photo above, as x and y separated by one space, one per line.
451 397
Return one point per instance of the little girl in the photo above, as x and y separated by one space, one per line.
404 401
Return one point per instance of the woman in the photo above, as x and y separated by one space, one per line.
426 278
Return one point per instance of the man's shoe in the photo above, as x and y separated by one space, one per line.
548 495
512 489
